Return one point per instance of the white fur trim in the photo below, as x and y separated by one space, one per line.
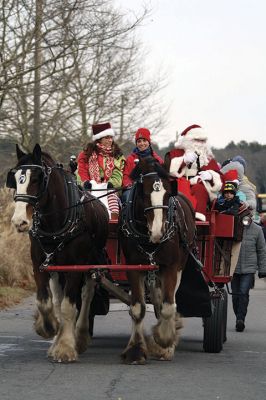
196 133
200 216
103 193
106 132
194 181
175 164
216 187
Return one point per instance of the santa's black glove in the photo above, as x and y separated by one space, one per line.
87 185
262 274
109 185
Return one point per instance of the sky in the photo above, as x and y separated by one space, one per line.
214 56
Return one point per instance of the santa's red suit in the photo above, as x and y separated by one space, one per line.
193 163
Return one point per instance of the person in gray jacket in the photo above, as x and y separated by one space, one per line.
252 258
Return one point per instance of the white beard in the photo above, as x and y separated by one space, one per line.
203 149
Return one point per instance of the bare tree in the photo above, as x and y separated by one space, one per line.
67 64
37 71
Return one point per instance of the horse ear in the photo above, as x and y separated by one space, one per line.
19 152
37 153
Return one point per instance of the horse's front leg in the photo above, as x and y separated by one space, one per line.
136 350
82 326
155 292
56 288
46 322
165 333
64 347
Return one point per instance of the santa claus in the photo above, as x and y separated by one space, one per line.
193 163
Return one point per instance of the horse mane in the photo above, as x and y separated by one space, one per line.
149 164
48 158
167 161
162 172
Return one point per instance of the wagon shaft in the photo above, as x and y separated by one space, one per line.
104 267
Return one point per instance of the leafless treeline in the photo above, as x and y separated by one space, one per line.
254 154
66 64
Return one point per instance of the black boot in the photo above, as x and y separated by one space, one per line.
240 326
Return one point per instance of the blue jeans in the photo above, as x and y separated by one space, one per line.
241 285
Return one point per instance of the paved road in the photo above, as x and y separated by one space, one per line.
238 372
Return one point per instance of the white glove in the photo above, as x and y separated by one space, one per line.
205 176
190 157
194 180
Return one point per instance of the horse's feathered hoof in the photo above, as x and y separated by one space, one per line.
159 353
83 340
135 355
45 327
62 354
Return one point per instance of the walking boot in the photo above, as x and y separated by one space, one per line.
240 326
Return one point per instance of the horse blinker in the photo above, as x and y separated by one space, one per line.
11 180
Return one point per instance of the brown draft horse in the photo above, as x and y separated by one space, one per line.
155 228
63 229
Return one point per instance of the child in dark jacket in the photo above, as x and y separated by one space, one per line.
228 202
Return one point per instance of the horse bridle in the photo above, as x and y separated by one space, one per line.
27 198
157 186
128 222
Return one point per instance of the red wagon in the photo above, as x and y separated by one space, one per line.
218 241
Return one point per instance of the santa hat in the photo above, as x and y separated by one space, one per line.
230 187
231 175
102 130
195 132
192 132
143 133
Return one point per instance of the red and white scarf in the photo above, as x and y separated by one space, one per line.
104 158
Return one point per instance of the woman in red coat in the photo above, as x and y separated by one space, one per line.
143 149
101 163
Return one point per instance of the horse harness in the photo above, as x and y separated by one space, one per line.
74 220
176 222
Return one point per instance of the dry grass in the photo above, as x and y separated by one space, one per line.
15 262
10 296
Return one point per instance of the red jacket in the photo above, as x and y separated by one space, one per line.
130 165
83 167
117 173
